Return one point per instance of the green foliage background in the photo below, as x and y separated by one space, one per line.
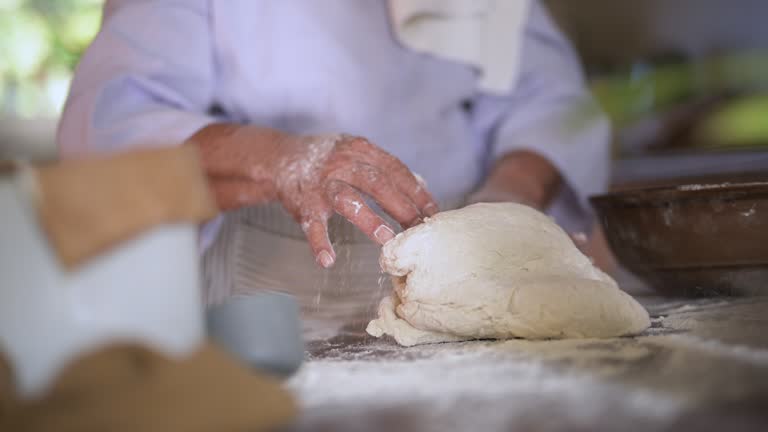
40 44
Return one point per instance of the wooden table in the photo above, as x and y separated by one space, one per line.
702 366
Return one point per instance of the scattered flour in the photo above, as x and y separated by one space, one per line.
447 377
696 353
697 187
740 353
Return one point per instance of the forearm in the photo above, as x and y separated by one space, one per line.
138 88
238 151
531 177
239 162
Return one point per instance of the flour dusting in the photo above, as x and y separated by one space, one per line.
698 187
739 353
697 353
445 377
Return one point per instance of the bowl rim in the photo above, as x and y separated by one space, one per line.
683 192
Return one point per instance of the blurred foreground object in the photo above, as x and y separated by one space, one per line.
100 250
262 329
88 206
129 388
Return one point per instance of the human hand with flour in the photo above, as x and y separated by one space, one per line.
313 177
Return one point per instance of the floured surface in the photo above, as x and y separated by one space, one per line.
702 366
497 271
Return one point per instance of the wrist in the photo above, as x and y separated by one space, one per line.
237 151
241 162
526 174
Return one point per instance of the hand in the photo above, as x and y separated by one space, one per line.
313 177
581 241
319 175
492 193
523 177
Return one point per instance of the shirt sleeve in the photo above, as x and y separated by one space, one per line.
551 112
146 80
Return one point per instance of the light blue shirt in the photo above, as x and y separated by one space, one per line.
158 67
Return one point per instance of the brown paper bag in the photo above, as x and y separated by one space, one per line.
129 388
88 206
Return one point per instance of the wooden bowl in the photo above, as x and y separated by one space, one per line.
691 239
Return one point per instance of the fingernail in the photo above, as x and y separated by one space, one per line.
579 237
430 209
383 234
326 260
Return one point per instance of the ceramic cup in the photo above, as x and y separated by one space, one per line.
261 329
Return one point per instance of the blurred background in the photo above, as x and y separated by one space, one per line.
40 45
684 81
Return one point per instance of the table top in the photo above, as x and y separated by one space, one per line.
703 365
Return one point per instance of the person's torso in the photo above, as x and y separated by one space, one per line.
335 66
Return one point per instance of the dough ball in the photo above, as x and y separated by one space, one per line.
496 271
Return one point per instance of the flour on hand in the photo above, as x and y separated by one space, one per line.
496 271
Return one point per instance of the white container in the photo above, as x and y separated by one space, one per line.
145 290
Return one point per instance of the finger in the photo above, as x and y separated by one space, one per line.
369 180
579 238
350 204
316 230
403 179
416 189
311 211
581 241
400 175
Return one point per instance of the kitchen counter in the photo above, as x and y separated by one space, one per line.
703 365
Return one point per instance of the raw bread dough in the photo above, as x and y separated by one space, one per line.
497 271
